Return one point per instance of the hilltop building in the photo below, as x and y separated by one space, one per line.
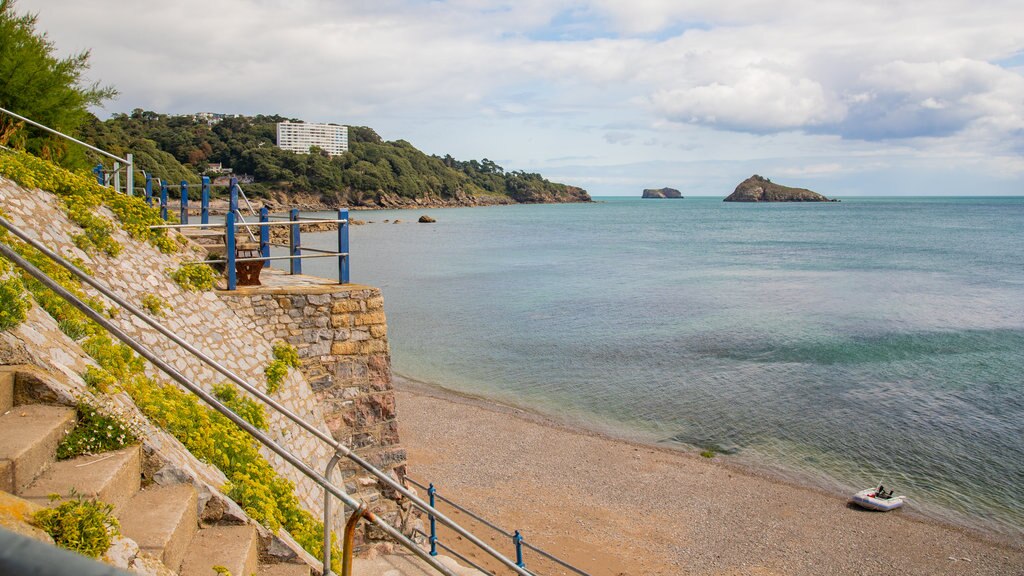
300 136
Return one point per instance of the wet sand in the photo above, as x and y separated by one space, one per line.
613 507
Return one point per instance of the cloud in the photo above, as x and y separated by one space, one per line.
600 78
758 101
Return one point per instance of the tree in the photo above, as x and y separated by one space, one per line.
36 84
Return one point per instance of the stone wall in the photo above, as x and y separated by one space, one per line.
340 332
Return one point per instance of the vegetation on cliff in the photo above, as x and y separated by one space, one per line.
374 172
759 189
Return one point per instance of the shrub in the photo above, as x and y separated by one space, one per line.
13 303
84 526
155 305
81 195
194 277
285 356
95 433
250 410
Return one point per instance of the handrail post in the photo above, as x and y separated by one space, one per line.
431 491
265 235
204 216
517 540
163 200
149 189
327 514
98 171
131 174
229 248
184 202
343 270
294 244
117 176
233 196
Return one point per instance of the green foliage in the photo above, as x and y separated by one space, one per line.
43 87
13 299
250 410
195 277
707 453
372 167
285 356
99 380
81 195
95 433
155 305
84 526
213 438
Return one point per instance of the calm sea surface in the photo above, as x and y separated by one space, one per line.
838 344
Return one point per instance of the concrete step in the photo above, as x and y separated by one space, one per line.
6 390
113 477
283 570
163 521
233 547
29 436
200 233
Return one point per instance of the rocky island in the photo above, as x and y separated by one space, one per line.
662 193
760 189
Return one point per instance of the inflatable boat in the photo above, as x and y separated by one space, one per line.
878 499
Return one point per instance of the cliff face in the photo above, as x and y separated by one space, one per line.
662 193
758 189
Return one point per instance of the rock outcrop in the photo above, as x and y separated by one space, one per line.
662 193
759 189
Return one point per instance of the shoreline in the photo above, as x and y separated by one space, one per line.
764 524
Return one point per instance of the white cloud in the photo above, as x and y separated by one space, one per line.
703 79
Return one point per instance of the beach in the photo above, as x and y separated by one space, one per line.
614 507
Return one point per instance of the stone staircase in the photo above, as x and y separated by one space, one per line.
162 520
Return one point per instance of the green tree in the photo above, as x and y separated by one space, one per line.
38 85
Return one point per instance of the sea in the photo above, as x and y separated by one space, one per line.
837 345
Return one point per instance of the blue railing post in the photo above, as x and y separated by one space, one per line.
163 200
343 246
98 171
431 491
233 196
184 202
295 245
517 540
229 248
204 215
265 235
149 189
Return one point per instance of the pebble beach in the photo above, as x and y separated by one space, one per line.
614 507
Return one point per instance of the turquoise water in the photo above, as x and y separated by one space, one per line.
838 344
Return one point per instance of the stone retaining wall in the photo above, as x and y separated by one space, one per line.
340 332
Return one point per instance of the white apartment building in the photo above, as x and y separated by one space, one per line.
299 136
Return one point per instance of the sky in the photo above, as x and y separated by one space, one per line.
866 97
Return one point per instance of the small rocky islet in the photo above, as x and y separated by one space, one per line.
760 189
662 193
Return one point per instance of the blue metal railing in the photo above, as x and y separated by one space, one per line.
295 255
518 541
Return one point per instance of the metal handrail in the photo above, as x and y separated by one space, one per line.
128 160
497 529
329 488
338 447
